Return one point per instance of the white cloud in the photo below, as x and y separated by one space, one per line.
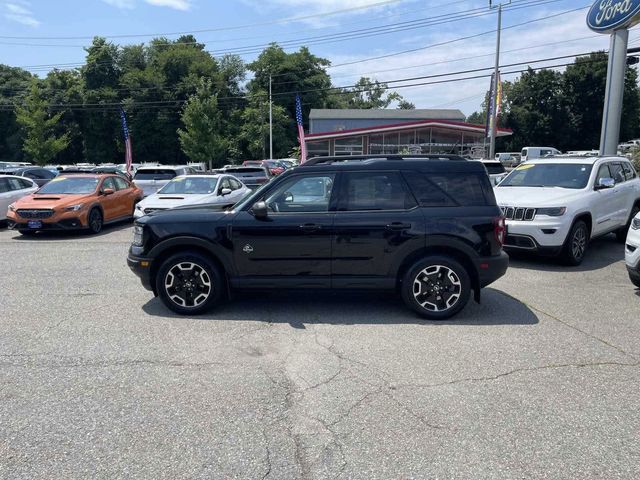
19 11
177 4
183 5
124 4
467 95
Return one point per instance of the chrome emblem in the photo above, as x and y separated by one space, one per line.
247 248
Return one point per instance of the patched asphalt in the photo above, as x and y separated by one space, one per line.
99 380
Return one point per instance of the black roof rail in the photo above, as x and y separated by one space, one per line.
377 157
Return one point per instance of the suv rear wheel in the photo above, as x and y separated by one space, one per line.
189 283
437 287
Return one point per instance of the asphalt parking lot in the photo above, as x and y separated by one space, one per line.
99 380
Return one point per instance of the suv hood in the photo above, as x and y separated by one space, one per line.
534 197
159 200
187 214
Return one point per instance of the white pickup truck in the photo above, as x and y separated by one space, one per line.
557 205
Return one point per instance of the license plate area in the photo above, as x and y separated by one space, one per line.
34 224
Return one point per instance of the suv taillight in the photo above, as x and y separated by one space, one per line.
500 229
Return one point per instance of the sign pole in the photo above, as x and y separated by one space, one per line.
610 134
494 92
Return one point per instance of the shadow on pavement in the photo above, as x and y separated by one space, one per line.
602 252
69 234
350 308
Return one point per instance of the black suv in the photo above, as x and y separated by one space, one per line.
426 226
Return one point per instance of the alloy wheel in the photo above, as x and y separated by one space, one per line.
188 284
579 243
437 288
95 221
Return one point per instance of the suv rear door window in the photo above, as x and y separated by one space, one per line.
448 189
155 174
366 191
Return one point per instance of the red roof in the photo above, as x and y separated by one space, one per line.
447 124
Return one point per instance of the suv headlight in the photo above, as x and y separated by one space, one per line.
138 236
12 207
552 212
73 208
635 223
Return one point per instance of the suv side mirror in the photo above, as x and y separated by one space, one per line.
604 183
108 191
225 191
260 210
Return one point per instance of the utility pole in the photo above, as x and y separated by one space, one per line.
494 90
270 121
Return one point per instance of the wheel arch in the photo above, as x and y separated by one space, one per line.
586 217
455 252
176 245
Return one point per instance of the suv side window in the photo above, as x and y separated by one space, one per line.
308 193
224 183
629 172
447 189
4 185
235 184
14 184
108 183
603 172
367 191
617 173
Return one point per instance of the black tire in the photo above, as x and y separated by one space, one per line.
576 244
430 285
27 233
95 220
183 278
621 234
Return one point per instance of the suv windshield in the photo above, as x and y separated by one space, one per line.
563 175
190 186
76 185
155 174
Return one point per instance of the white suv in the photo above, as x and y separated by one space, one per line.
632 251
556 205
151 179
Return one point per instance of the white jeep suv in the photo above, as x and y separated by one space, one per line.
556 205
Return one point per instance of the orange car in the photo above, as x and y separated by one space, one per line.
75 202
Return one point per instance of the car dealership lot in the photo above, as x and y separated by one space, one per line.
99 380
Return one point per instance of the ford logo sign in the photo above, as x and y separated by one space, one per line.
608 15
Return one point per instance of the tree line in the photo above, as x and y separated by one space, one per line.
562 109
181 104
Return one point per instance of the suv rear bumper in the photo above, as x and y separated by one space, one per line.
491 269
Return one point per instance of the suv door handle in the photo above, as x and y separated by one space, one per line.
310 227
398 226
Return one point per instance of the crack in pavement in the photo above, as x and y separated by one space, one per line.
512 372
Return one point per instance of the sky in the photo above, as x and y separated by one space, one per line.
40 34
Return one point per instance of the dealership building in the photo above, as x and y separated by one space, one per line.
357 132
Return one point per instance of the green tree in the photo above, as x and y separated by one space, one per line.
40 141
14 84
368 94
253 137
202 138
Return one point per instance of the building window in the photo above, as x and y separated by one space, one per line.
407 142
446 141
376 144
391 143
349 146
318 149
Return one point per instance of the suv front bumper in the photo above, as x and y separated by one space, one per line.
141 266
545 236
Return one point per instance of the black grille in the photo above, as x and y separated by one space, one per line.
520 213
35 213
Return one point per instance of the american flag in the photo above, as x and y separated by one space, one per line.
127 141
303 146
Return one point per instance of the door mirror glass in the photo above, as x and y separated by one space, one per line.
260 210
288 197
604 183
225 191
108 191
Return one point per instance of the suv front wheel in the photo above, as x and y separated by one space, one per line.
189 283
437 287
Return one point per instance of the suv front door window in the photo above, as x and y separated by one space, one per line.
294 240
377 221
